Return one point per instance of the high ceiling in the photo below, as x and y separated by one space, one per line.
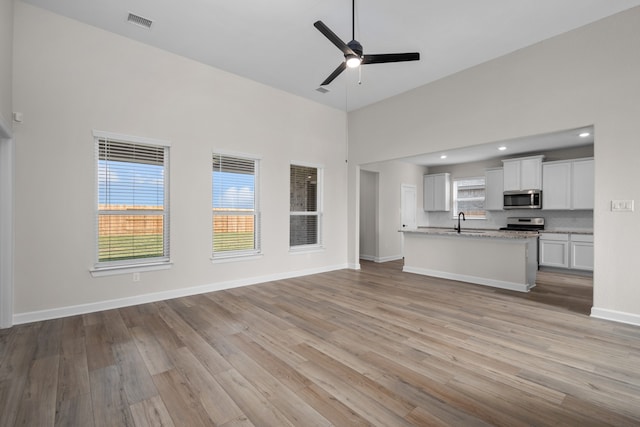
274 41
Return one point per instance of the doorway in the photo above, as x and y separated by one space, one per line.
369 188
6 226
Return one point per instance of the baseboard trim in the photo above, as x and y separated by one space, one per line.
512 286
381 259
615 316
57 313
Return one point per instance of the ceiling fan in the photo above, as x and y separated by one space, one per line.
353 52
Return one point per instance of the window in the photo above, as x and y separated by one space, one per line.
468 197
305 217
236 225
133 201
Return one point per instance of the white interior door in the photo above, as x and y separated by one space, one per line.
408 205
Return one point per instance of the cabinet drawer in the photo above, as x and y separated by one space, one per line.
582 238
560 237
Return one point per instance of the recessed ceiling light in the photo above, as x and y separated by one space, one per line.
584 134
502 148
444 156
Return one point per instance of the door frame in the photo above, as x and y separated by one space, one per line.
7 157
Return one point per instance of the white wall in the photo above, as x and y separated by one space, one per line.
6 60
72 78
391 176
588 76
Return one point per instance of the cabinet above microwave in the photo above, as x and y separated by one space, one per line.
522 174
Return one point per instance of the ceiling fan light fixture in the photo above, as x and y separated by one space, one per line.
353 61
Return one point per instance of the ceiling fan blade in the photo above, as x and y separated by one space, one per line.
390 57
335 74
333 38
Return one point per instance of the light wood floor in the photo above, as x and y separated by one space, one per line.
346 348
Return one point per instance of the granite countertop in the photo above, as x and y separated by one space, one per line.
568 231
473 232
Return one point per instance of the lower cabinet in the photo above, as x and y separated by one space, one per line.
581 252
564 250
554 250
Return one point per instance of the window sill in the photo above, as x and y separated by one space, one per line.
235 258
127 269
306 249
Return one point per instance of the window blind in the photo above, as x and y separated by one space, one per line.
236 229
305 217
133 224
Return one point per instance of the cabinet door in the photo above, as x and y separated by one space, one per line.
583 184
428 204
582 255
531 174
441 193
556 185
494 184
511 176
554 250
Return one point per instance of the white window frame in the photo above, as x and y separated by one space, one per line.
319 245
107 268
256 251
454 198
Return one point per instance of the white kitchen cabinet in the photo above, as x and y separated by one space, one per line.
554 250
523 173
581 251
568 184
556 185
493 199
582 184
566 250
437 192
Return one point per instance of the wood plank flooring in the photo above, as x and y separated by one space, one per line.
347 348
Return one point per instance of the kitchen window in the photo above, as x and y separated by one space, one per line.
235 214
305 213
132 219
468 197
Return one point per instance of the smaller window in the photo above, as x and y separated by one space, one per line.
468 197
305 214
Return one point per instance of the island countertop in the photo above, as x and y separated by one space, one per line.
472 232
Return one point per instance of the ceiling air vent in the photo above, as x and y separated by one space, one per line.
322 90
139 21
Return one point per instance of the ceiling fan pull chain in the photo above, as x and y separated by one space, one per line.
359 75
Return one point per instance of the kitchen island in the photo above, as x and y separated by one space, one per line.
502 259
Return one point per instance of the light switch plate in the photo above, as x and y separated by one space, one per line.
622 205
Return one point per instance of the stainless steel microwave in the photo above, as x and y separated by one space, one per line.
525 199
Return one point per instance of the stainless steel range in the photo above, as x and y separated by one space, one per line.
524 224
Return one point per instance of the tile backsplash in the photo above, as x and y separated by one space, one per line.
554 220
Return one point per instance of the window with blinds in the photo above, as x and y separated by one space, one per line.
133 203
305 218
236 220
468 197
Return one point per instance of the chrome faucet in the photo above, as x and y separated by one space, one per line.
458 229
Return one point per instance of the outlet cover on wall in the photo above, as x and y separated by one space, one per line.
622 205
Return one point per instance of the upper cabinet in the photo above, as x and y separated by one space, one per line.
523 173
437 192
493 199
568 184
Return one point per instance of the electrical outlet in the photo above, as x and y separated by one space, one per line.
622 205
136 277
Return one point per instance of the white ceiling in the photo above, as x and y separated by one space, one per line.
533 144
274 41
